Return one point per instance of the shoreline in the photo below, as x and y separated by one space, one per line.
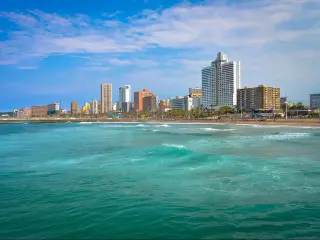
279 122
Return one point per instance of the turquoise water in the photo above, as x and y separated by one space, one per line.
159 181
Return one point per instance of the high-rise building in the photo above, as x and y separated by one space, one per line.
125 93
315 100
150 103
207 99
259 98
138 99
94 107
74 107
220 82
195 92
106 98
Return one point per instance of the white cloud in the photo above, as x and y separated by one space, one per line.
183 26
27 67
268 37
116 61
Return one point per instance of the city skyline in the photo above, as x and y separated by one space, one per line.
64 52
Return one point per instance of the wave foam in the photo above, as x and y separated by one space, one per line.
216 129
286 136
141 125
85 122
163 125
174 146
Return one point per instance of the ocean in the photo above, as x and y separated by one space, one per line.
159 181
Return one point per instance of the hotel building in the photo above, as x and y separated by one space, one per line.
220 82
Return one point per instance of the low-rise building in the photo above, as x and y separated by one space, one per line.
27 112
114 107
53 107
178 103
185 103
195 92
39 111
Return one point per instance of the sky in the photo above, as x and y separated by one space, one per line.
63 50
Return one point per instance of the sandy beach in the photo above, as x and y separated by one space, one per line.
287 122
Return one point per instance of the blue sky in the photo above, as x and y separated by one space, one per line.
64 50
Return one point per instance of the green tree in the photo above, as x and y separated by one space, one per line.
226 110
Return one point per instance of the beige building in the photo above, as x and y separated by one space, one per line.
106 98
195 92
259 98
28 112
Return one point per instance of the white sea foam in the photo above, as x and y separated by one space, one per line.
155 130
286 136
85 122
136 159
174 146
141 125
266 126
246 124
217 130
163 125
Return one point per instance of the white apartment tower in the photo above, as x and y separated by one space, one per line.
207 88
220 82
94 107
106 98
124 93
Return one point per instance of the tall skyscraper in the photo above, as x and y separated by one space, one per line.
125 93
259 98
106 98
220 82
